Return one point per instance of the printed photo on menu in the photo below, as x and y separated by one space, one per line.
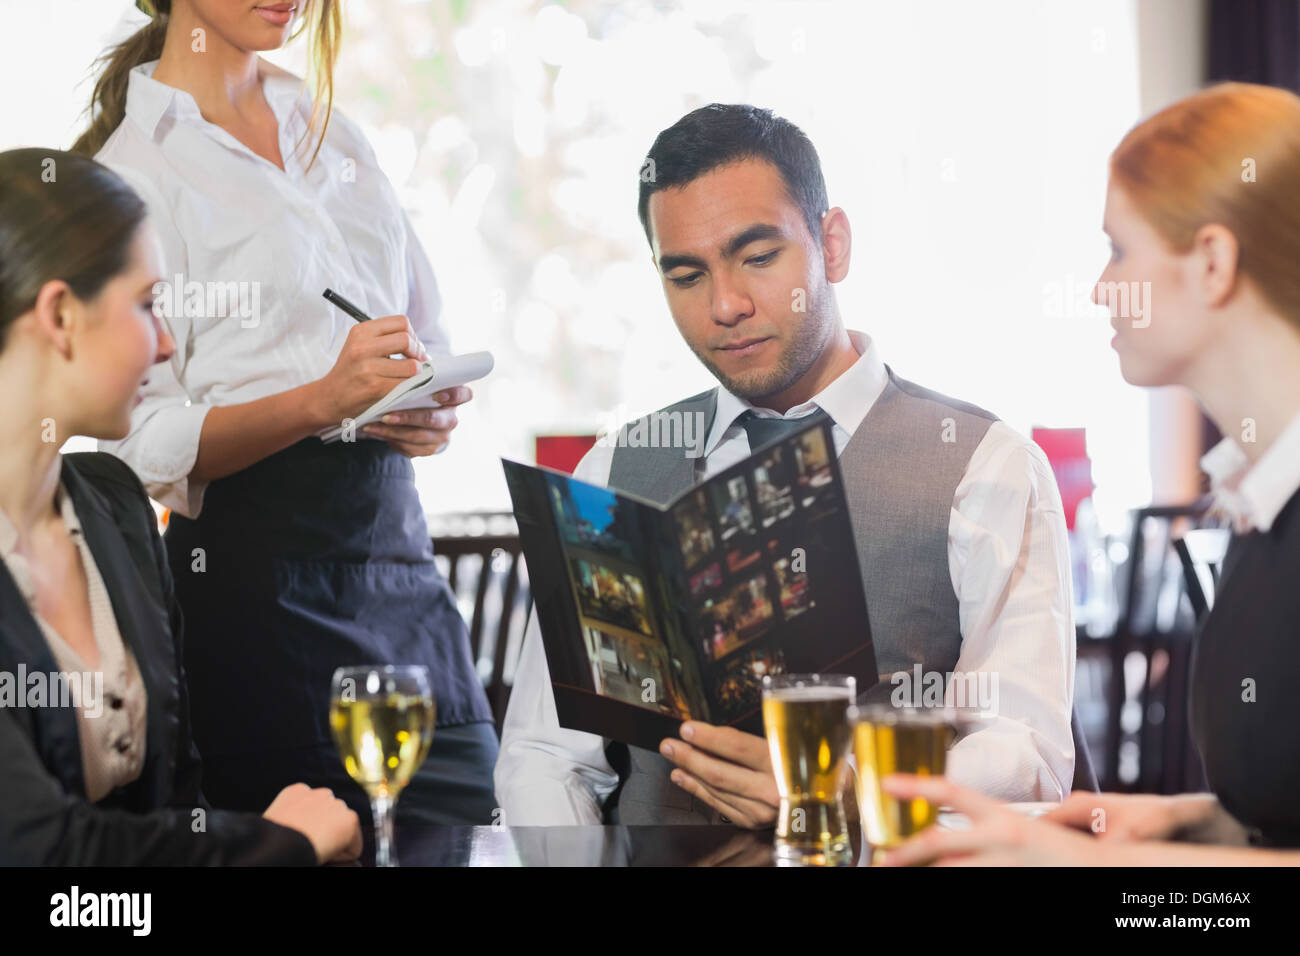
655 613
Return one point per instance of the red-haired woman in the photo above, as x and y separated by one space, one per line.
1203 214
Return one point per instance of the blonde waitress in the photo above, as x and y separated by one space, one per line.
291 557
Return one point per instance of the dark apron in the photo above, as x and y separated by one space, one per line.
314 558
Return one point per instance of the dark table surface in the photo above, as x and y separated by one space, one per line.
585 846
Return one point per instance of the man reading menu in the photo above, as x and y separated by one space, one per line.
960 532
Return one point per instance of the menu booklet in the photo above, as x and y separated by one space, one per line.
652 613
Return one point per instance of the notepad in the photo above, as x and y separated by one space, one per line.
435 374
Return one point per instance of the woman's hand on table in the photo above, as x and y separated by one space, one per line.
1134 816
325 820
421 431
998 835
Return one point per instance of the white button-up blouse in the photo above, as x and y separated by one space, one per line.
248 249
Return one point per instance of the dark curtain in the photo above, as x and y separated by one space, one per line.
1255 41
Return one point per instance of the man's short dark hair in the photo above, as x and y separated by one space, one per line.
719 134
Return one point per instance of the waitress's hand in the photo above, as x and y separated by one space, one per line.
421 431
364 371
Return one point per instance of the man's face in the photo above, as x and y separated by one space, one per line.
745 281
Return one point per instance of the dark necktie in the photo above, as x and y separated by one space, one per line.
764 431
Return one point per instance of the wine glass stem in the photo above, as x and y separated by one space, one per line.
381 809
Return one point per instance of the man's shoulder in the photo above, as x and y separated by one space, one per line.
921 393
1014 463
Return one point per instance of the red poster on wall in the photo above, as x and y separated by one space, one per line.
1067 451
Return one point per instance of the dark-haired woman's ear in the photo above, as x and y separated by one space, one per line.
837 244
54 314
1215 254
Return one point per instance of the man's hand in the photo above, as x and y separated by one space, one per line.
728 769
421 431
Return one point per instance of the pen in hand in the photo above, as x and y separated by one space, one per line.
345 305
360 316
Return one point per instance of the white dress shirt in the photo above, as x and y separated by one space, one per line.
1009 559
1253 496
227 215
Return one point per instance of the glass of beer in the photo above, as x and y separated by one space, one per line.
382 719
806 719
887 740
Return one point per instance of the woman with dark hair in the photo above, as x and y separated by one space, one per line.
95 749
1203 214
291 557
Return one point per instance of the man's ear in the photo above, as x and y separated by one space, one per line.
55 315
837 244
1215 254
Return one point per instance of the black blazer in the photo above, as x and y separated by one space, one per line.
45 817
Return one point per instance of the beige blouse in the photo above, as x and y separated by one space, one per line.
111 721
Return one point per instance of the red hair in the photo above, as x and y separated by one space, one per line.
1230 155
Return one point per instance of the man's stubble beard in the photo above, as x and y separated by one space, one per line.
800 354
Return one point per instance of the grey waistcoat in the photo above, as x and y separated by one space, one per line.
901 469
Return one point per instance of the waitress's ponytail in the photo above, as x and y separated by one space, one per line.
108 101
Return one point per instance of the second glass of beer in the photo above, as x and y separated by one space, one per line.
806 719
889 740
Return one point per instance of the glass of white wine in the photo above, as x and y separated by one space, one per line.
382 719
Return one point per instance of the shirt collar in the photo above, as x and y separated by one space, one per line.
62 501
1254 495
148 101
846 400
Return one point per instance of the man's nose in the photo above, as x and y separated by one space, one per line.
731 302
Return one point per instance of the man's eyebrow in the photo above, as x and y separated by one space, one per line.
671 262
148 286
754 233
